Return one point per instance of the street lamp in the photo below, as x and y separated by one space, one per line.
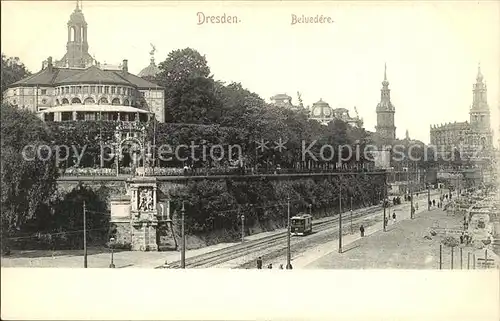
242 228
428 196
383 202
111 245
288 254
183 236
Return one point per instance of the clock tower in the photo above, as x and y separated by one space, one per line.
385 128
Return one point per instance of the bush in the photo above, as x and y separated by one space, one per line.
218 205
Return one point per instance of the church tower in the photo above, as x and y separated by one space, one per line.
77 48
479 110
480 114
385 128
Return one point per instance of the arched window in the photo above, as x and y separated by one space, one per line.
103 101
89 101
125 102
76 101
71 34
115 101
65 101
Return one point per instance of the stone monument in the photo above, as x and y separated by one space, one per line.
143 214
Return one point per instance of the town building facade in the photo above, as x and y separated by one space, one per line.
323 113
77 87
319 111
471 137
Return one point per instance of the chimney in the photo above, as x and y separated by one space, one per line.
125 66
49 64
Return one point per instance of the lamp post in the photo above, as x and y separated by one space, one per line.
118 152
383 201
288 254
350 216
428 196
183 236
84 235
111 245
340 218
242 228
411 203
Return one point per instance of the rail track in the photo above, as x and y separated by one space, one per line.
266 244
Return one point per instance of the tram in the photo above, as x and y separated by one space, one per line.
301 224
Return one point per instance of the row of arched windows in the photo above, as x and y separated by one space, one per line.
91 101
94 90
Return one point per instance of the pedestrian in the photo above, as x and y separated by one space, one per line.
430 203
270 266
281 266
433 202
386 221
259 263
362 230
462 238
394 217
416 206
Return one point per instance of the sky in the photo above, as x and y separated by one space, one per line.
432 49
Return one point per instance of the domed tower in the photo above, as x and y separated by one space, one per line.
149 73
385 113
322 112
77 49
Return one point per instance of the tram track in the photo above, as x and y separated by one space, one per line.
269 244
266 243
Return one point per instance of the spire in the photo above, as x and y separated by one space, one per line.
479 75
385 83
78 5
407 136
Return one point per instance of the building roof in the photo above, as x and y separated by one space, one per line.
320 102
58 76
150 71
138 81
280 96
94 108
451 126
77 16
92 75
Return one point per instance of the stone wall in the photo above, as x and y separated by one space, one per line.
123 234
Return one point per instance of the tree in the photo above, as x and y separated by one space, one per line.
26 184
183 64
12 70
189 89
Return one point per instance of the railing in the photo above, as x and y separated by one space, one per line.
175 171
